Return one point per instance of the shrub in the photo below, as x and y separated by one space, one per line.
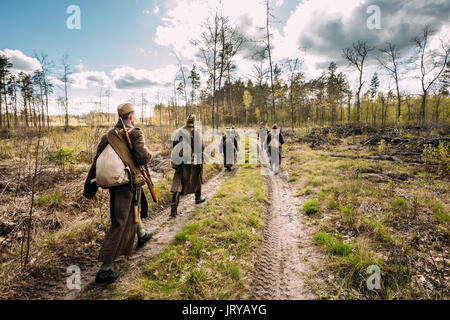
66 156
382 146
332 137
438 156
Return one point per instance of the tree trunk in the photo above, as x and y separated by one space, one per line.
399 102
422 116
1 110
349 106
436 108
270 62
46 106
358 106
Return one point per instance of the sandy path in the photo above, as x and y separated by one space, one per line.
286 254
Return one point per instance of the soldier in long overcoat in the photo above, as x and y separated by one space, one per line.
229 141
275 142
188 177
119 240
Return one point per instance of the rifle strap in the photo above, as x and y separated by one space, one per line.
118 143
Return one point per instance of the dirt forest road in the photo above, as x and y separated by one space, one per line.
164 229
286 253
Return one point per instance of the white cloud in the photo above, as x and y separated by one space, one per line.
86 79
55 81
129 78
21 62
156 8
183 21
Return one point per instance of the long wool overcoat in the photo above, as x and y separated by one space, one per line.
120 238
187 177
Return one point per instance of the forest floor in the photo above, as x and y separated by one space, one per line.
343 202
373 202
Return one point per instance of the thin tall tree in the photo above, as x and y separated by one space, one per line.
390 62
432 64
357 56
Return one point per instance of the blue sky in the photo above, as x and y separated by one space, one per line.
112 32
128 45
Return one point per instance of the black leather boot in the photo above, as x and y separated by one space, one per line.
199 198
141 241
106 277
174 204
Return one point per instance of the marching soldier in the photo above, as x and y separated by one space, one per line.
124 199
188 177
230 142
238 137
262 137
274 142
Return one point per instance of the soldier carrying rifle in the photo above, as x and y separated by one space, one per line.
229 146
116 167
188 177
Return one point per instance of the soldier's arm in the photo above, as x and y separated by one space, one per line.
222 144
90 187
141 153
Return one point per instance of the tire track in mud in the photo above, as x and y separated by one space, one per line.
286 253
164 229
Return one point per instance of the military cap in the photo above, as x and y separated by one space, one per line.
190 120
124 109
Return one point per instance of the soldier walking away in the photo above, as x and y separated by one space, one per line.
229 142
262 142
188 177
127 201
274 142
238 137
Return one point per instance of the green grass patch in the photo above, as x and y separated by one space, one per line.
311 207
331 204
335 247
438 210
54 198
398 204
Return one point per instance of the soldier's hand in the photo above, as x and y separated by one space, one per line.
89 198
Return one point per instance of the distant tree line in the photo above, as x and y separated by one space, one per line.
274 92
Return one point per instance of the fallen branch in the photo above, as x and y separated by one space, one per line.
385 158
